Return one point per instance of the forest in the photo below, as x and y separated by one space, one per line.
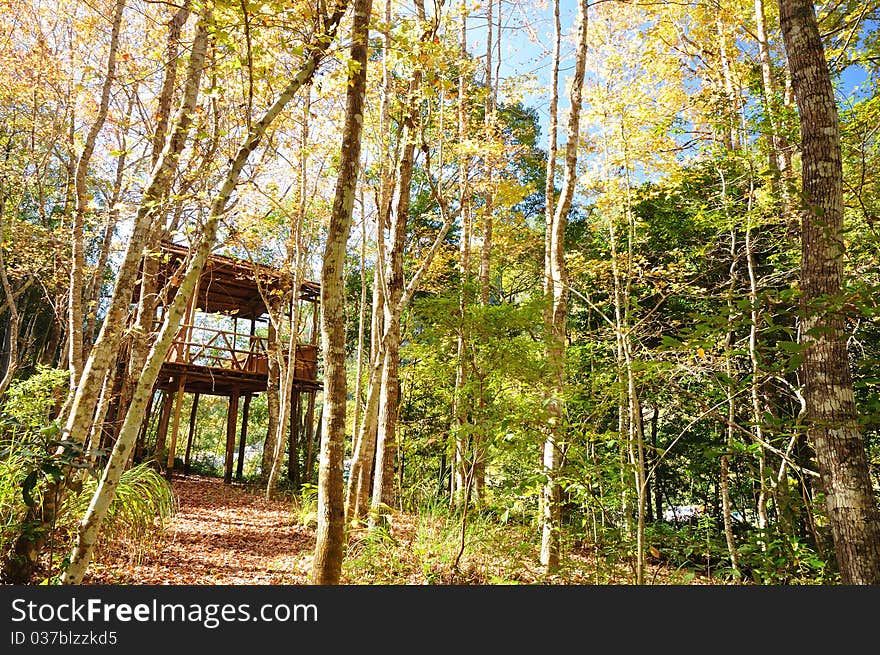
473 292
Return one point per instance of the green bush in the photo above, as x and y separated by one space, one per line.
783 559
31 455
31 402
27 448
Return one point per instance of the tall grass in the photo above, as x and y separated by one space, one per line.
142 507
423 548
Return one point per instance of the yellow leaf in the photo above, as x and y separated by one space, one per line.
701 353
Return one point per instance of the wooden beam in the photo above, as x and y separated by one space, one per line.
192 431
239 468
175 425
315 314
231 420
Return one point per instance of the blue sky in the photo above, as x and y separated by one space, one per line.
526 44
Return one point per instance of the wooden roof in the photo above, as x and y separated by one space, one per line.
229 285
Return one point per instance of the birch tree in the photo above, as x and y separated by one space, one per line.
330 540
555 319
77 259
90 526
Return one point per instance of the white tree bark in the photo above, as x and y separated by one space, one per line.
90 526
556 329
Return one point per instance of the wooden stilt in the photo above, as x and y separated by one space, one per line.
162 430
310 437
175 424
231 420
239 467
313 337
293 445
145 425
192 431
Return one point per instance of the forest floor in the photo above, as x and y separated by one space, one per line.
220 534
231 535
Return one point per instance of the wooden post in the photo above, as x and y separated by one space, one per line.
187 332
310 420
314 338
249 366
192 432
175 425
235 363
162 430
239 468
293 446
231 420
145 425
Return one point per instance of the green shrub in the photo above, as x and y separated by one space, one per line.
783 559
31 455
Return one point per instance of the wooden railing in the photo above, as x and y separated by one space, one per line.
233 351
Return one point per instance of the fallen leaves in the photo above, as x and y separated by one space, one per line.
220 534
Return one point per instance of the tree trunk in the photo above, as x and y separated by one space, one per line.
90 525
831 415
287 366
556 329
364 435
360 475
166 95
755 383
461 400
362 313
732 140
778 147
386 444
272 401
327 566
145 315
77 256
480 445
14 318
104 351
94 294
731 403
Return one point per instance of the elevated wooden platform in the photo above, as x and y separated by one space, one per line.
212 355
215 361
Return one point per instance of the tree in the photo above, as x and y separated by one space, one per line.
90 526
831 416
556 315
329 545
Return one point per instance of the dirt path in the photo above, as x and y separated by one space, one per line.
220 534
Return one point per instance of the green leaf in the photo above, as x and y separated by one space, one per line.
27 488
53 471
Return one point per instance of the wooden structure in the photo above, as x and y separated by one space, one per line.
221 349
